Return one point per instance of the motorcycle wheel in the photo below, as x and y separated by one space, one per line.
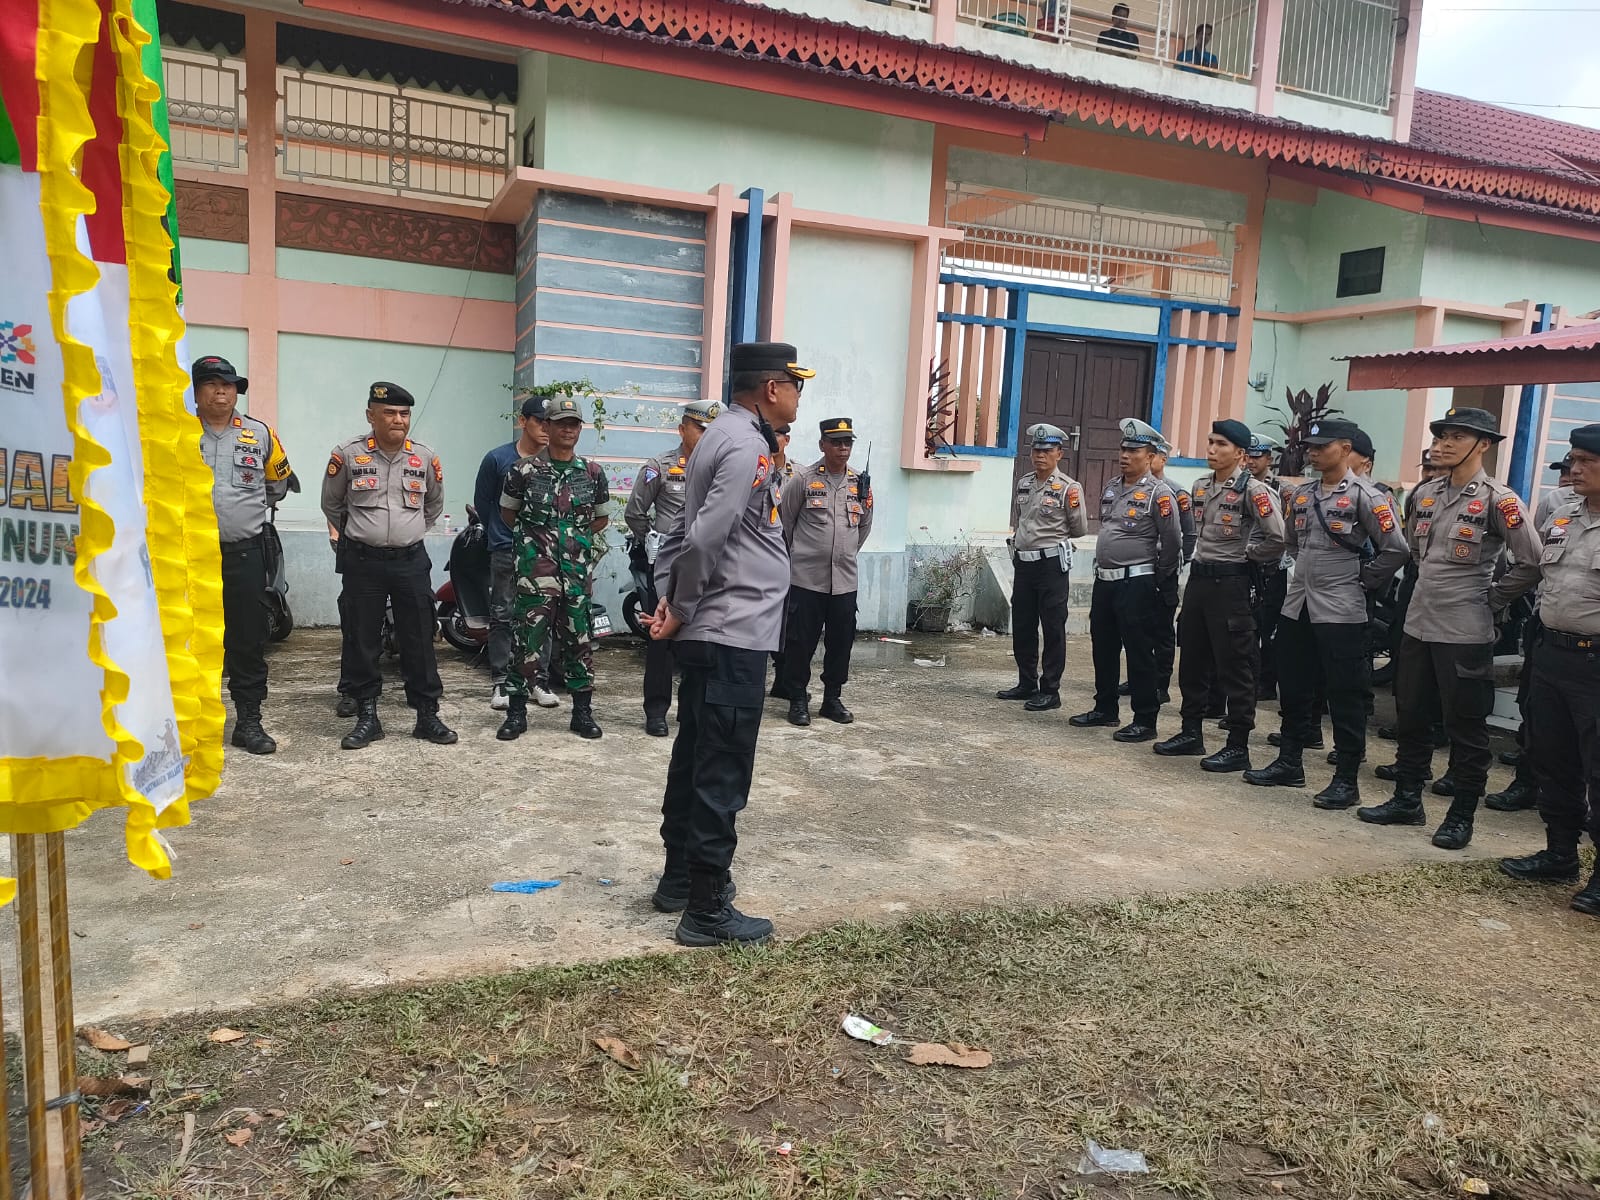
280 620
630 614
453 624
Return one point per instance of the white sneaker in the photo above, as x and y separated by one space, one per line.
544 697
498 700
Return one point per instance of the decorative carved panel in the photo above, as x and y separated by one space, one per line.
213 211
397 234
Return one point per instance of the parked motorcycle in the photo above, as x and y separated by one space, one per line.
462 601
280 618
641 595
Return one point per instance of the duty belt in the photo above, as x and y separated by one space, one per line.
362 550
1036 555
242 543
1217 570
1571 641
1110 574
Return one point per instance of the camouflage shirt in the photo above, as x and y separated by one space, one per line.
555 504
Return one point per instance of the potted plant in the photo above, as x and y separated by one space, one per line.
1304 411
943 576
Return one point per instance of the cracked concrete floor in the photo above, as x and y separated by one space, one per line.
937 795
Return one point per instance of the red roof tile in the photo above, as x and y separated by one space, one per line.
1472 129
1573 338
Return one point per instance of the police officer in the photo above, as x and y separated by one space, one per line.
1564 697
654 506
249 474
1346 542
1216 628
1561 495
1046 513
385 491
1166 638
1272 582
723 575
827 515
557 505
1136 559
1459 525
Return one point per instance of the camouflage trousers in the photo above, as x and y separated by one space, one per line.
551 615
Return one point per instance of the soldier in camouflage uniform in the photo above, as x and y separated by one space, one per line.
556 505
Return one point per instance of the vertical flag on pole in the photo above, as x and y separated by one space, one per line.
110 602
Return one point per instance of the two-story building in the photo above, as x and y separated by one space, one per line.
1022 209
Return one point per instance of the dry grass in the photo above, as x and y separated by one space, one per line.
1276 1041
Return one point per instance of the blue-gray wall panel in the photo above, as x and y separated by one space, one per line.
624 248
618 281
643 315
618 347
620 383
614 214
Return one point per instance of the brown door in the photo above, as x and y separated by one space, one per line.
1084 387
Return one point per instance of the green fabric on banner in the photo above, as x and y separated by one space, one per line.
10 152
144 12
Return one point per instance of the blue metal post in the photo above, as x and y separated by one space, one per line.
1011 383
747 270
1158 386
1527 446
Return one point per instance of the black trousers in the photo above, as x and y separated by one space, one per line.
1456 682
658 678
374 578
245 620
714 755
814 617
1165 645
1217 631
1269 608
1124 615
1039 601
1563 736
1317 660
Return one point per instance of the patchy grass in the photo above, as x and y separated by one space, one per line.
1288 1040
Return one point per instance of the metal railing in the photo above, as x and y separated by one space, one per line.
1090 246
205 108
1203 37
1340 50
914 5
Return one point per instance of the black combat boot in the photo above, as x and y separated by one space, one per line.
1136 731
800 710
1042 702
346 706
1588 900
655 724
368 728
1094 718
1522 794
1187 741
1556 863
429 728
1287 770
583 722
516 722
1235 756
1024 690
1391 772
1341 792
710 920
1445 785
834 710
1455 831
1402 808
247 731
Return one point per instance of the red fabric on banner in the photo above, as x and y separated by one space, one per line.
18 88
102 168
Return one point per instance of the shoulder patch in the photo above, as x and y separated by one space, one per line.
1511 510
1074 496
1264 503
1164 505
1184 502
438 470
650 473
1385 516
335 463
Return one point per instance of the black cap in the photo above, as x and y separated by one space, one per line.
768 356
1362 444
1586 437
1236 432
533 406
1326 432
390 393
213 366
1564 464
838 429
1427 459
1474 420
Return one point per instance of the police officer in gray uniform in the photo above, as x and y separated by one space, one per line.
1272 580
1564 696
827 515
1457 528
1136 559
654 506
1166 646
250 473
1046 513
1216 628
385 491
723 576
1347 544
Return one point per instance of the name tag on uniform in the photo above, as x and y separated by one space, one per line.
816 502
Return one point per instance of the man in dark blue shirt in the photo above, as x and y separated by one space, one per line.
532 438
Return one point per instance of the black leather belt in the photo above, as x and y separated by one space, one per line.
243 543
1225 570
381 553
1571 641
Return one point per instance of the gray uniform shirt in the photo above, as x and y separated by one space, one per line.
1330 582
1227 512
724 569
1046 514
825 521
1139 524
1570 564
1456 536
656 501
1549 502
249 474
383 499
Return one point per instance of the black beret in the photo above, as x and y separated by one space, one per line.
1236 432
1362 444
390 393
1586 437
768 356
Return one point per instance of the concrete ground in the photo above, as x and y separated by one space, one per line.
318 868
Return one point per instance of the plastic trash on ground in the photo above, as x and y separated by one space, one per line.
864 1030
929 662
1097 1160
526 887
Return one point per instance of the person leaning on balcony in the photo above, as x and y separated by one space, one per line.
1046 514
1198 59
1118 39
1459 525
1216 628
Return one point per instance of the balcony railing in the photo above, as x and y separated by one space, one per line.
1340 50
205 109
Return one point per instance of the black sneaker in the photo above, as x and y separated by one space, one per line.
1228 760
724 927
1280 772
1543 866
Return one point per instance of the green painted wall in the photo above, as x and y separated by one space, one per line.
351 270
1468 261
202 254
615 123
1301 245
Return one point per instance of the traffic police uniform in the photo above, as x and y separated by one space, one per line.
826 519
1564 696
249 475
1272 584
1137 555
723 571
654 506
384 502
1217 628
1046 515
1456 536
1347 544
